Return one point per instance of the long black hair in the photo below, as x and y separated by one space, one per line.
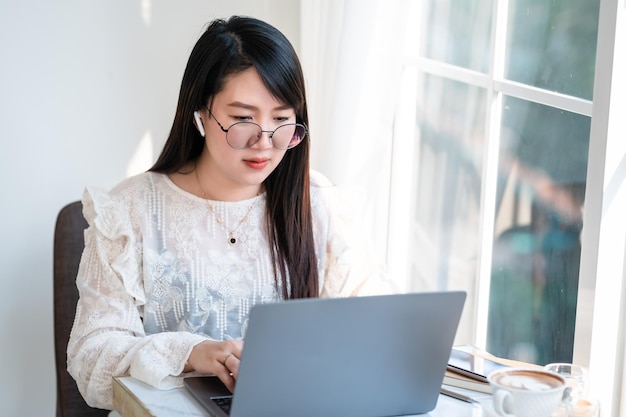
228 47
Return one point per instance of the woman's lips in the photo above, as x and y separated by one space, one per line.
256 163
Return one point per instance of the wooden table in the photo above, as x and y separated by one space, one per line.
133 398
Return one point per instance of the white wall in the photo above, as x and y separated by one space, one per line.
87 94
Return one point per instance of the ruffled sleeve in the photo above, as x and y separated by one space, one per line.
108 338
349 269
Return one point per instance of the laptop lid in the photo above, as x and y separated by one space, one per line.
359 356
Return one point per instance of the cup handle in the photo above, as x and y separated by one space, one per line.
498 402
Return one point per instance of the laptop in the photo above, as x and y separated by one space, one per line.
371 356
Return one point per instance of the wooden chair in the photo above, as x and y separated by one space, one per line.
68 247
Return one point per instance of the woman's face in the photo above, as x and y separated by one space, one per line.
244 98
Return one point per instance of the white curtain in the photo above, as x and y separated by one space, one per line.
352 52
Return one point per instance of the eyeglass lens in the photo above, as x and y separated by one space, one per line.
244 135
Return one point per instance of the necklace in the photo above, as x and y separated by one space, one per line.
232 240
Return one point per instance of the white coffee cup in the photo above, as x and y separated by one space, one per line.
526 392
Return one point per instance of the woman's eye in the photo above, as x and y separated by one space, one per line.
281 119
242 118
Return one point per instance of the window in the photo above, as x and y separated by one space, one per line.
498 166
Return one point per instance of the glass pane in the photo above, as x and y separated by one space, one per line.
458 32
552 44
447 175
536 251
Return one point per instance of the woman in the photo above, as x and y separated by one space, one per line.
228 217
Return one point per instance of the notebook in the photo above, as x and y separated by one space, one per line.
382 355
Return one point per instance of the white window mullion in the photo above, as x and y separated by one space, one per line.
547 98
495 83
490 171
453 72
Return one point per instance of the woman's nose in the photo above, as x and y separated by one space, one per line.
265 140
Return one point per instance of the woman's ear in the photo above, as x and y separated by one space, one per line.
199 125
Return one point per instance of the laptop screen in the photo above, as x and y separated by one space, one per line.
358 356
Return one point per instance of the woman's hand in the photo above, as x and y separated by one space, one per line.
219 358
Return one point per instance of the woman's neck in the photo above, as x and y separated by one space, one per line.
211 188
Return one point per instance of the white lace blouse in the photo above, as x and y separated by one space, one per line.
158 276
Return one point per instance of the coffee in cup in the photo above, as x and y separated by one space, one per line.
526 392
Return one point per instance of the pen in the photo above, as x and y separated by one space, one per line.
458 396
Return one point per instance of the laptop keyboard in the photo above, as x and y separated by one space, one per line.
224 403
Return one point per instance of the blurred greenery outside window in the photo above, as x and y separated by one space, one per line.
501 150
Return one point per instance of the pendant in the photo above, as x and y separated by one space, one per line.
232 241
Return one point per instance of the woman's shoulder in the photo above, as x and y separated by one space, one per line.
326 199
123 196
135 188
139 183
319 180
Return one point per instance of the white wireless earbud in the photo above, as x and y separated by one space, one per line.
196 116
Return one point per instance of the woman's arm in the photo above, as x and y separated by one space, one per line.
108 338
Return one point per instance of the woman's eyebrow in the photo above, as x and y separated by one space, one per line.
245 106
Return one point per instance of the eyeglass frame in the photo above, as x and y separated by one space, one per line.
269 132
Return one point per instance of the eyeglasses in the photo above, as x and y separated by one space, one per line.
242 135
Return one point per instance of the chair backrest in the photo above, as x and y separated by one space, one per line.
68 247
